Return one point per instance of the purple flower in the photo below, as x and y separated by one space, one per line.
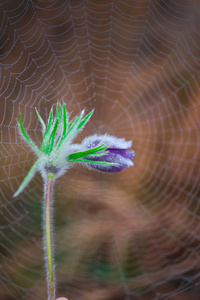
57 152
116 153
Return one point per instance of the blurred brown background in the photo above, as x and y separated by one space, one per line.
132 235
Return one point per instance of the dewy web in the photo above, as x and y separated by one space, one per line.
132 235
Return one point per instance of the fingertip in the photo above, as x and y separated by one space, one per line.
62 298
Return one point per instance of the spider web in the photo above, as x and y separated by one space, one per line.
131 235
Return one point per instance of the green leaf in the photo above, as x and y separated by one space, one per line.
49 121
64 126
58 113
41 120
105 163
76 120
25 135
44 147
60 108
28 178
52 136
64 120
87 152
85 120
72 124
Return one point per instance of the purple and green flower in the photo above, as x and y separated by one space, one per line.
57 153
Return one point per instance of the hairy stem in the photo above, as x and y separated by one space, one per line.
48 237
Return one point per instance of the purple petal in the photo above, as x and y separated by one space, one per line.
122 152
121 161
115 153
109 169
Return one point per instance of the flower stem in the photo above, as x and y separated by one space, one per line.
48 238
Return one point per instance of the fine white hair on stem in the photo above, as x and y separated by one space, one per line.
49 248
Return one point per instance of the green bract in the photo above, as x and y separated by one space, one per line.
57 131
